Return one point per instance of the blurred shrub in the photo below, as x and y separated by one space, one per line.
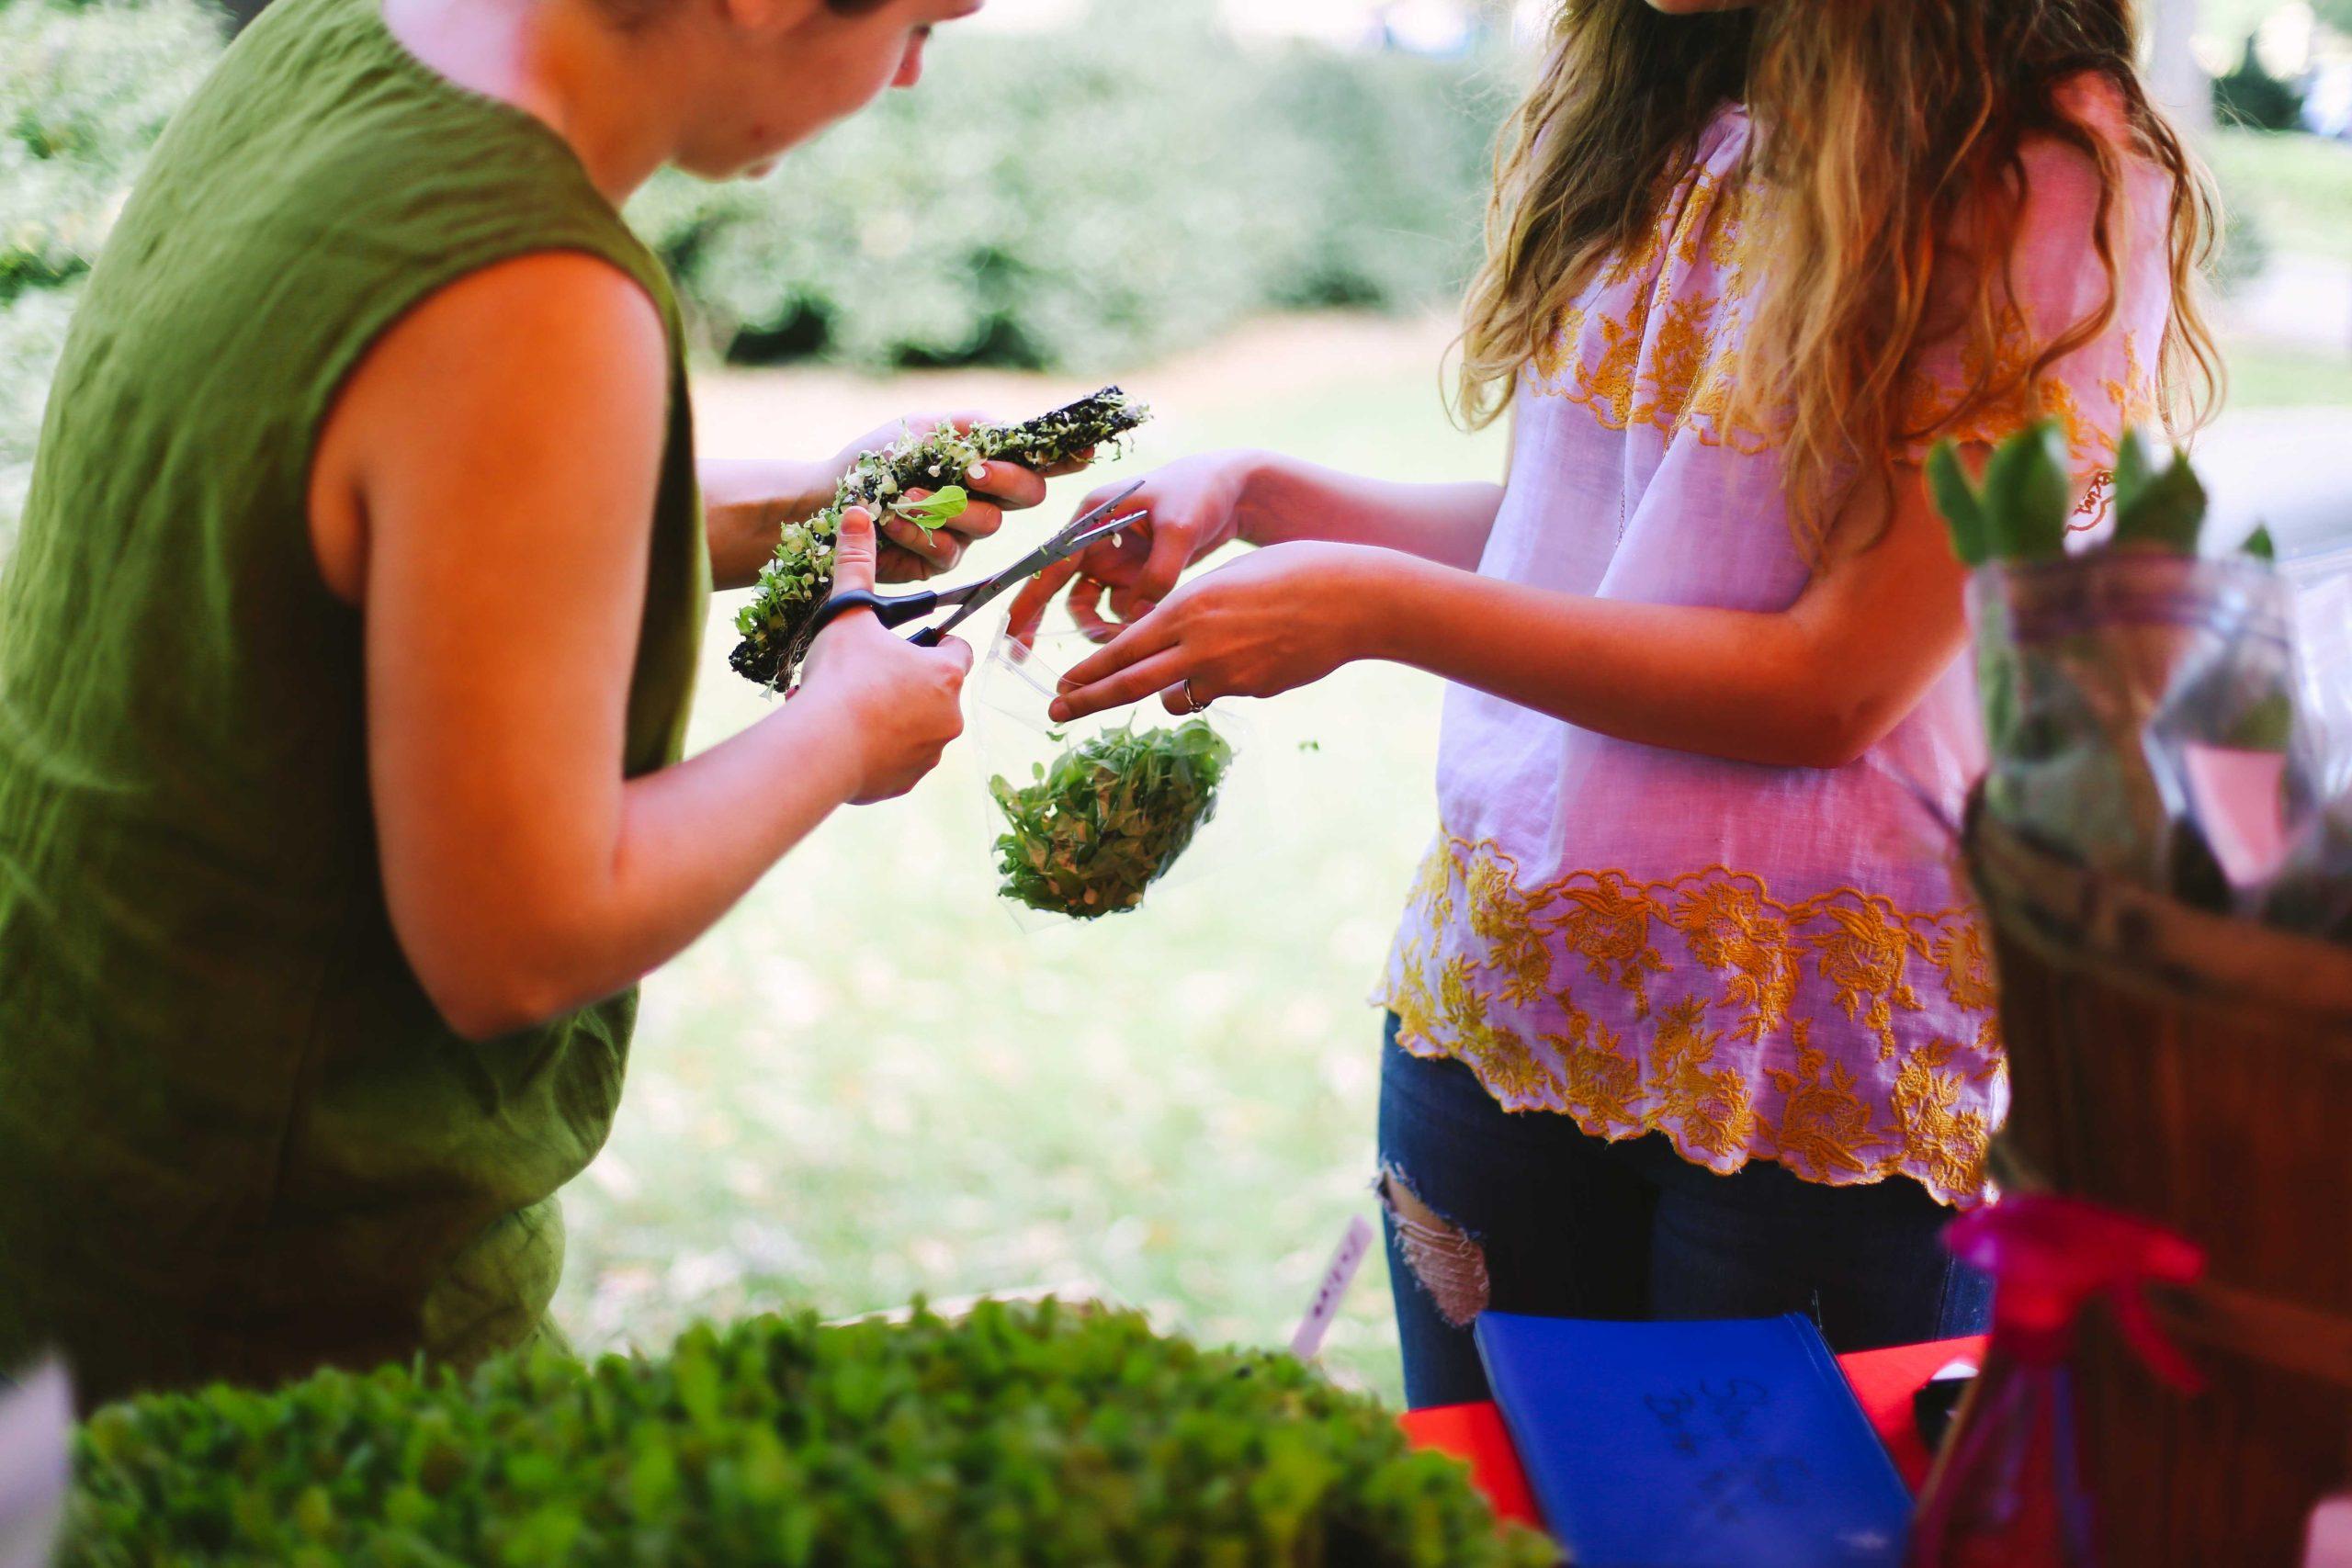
1084 197
2250 96
1091 195
85 87
2243 252
1020 1436
2300 187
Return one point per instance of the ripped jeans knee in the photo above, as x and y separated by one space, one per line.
1447 1262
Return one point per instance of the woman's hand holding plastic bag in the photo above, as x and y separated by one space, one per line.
1192 508
1278 618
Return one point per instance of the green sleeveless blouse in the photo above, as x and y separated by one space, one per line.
236 1141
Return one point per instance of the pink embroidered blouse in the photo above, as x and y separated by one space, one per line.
1758 963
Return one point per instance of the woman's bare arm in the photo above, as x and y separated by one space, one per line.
1813 685
502 444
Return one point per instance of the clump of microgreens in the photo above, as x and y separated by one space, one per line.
1047 1434
799 578
1107 818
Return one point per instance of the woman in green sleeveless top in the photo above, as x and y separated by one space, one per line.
344 663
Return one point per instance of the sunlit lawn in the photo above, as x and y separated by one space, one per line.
2270 376
869 1083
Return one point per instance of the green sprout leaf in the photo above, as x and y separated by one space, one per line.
1956 498
935 510
2260 545
2133 468
2164 510
1091 833
2028 495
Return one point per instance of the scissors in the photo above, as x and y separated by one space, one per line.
896 609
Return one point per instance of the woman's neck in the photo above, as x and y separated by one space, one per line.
606 92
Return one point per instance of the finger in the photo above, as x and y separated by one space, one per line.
1074 463
1169 556
1129 603
1131 685
1186 698
1037 596
854 551
938 547
1015 487
978 520
1086 609
903 566
1137 643
956 651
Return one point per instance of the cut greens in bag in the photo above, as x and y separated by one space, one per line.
1090 816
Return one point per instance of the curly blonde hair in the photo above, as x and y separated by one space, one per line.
1883 124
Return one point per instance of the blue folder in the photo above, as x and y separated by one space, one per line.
1732 1444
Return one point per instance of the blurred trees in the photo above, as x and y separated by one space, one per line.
88 85
1090 194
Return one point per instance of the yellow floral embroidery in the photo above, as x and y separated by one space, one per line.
1674 363
1505 923
1863 953
1601 1081
1432 888
2134 395
1712 1051
1501 1058
1949 1142
1712 1109
1608 925
1730 932
1967 969
1410 999
1930 408
1826 1124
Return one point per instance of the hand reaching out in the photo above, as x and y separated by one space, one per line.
1193 506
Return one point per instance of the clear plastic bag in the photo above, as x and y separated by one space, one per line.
2141 711
2323 656
1087 819
2314 893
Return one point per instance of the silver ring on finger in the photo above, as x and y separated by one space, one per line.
1193 703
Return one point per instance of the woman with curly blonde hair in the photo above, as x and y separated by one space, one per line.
1689 1013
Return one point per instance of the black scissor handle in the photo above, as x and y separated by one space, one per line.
892 611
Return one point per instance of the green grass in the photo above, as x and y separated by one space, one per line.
868 1082
2298 188
2270 375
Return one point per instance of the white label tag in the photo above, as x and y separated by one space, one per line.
36 1425
1307 1343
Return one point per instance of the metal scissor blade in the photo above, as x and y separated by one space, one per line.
1072 538
1094 536
1084 530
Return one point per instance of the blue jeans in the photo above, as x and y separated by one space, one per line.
1529 1213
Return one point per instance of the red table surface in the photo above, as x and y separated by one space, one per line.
1882 1381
